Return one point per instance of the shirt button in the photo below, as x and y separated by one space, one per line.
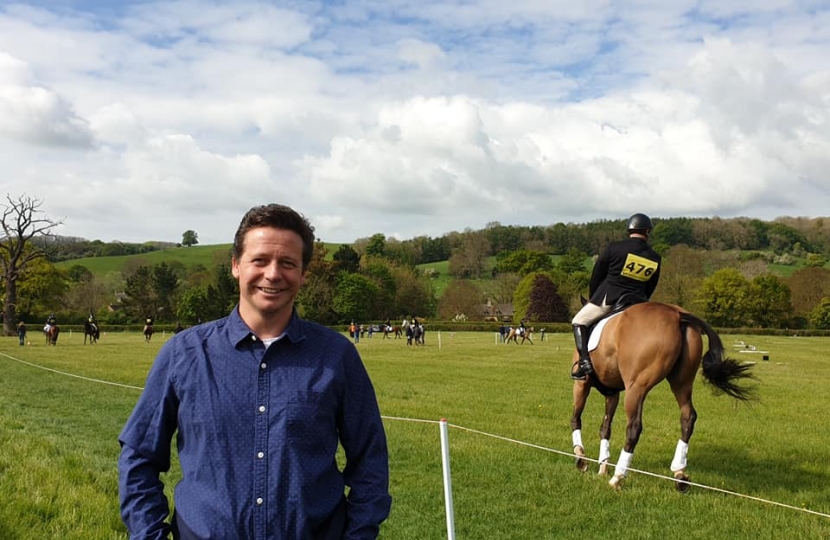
262 408
259 500
262 365
260 455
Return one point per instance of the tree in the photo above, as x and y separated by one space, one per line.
316 297
467 260
808 287
545 303
347 259
461 297
376 245
190 238
525 261
681 271
723 298
820 316
769 302
355 297
41 289
572 261
138 288
20 222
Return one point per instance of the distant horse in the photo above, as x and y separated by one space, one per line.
92 332
516 333
52 334
638 348
418 334
148 332
396 330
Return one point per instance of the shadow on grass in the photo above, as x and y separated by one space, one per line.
735 470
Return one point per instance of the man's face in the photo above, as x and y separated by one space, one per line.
270 274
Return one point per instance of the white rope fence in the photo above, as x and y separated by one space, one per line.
445 454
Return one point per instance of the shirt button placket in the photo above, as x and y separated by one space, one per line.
261 438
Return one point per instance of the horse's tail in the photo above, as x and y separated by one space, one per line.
724 373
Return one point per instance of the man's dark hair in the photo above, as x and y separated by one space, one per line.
277 216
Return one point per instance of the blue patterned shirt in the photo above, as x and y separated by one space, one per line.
257 431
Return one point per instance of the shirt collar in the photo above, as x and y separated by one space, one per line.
239 332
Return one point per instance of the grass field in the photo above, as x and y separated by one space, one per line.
763 470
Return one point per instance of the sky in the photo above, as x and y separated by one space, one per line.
135 121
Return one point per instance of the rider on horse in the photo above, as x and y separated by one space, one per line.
50 322
91 320
627 267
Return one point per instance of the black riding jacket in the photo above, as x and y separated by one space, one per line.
627 266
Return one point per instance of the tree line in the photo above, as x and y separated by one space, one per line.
719 268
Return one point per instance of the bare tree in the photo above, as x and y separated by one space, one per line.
20 222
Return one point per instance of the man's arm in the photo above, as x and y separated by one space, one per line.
145 452
144 507
367 458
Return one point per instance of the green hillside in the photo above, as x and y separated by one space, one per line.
207 256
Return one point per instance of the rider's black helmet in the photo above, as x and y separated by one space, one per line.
639 223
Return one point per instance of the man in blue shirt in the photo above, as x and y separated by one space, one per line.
258 402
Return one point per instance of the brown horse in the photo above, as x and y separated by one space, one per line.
148 332
396 330
637 349
52 334
515 334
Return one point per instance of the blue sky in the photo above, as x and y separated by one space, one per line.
136 121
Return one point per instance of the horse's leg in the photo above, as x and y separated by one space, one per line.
580 392
611 403
688 417
634 399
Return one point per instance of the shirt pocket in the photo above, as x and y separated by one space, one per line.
311 417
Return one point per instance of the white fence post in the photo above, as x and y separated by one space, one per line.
445 461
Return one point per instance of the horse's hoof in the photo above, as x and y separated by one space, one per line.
616 482
682 483
603 468
581 463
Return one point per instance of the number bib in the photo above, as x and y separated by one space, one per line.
638 268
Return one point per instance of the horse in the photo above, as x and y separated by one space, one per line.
92 332
637 349
388 329
52 334
515 333
148 332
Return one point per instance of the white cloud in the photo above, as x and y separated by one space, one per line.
35 114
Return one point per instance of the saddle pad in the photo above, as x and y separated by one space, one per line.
596 333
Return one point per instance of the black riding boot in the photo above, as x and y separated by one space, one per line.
581 338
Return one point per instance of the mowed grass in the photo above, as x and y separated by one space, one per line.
509 409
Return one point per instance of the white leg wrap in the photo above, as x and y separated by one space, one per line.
604 450
577 437
679 461
621 468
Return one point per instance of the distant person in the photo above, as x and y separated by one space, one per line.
258 403
21 333
178 328
629 267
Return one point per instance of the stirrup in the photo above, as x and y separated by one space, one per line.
580 374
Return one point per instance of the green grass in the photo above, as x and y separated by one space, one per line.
509 409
